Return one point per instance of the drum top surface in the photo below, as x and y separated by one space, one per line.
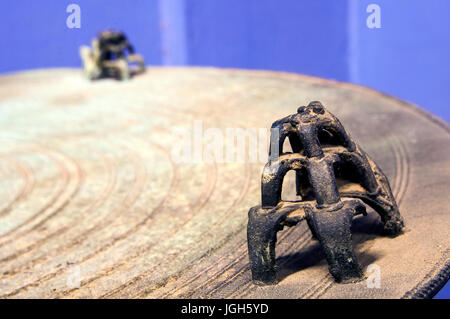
96 203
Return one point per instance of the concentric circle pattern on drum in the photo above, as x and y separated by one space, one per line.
91 190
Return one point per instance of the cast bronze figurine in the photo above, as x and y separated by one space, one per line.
322 153
111 55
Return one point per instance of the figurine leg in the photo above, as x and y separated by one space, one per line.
262 228
124 73
262 237
333 231
383 202
394 225
389 213
377 192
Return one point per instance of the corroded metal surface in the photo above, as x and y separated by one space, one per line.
322 153
88 184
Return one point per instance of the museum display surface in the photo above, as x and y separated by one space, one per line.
96 205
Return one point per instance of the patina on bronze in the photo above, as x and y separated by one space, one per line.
111 55
334 178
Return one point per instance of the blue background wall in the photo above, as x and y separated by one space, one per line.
408 57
